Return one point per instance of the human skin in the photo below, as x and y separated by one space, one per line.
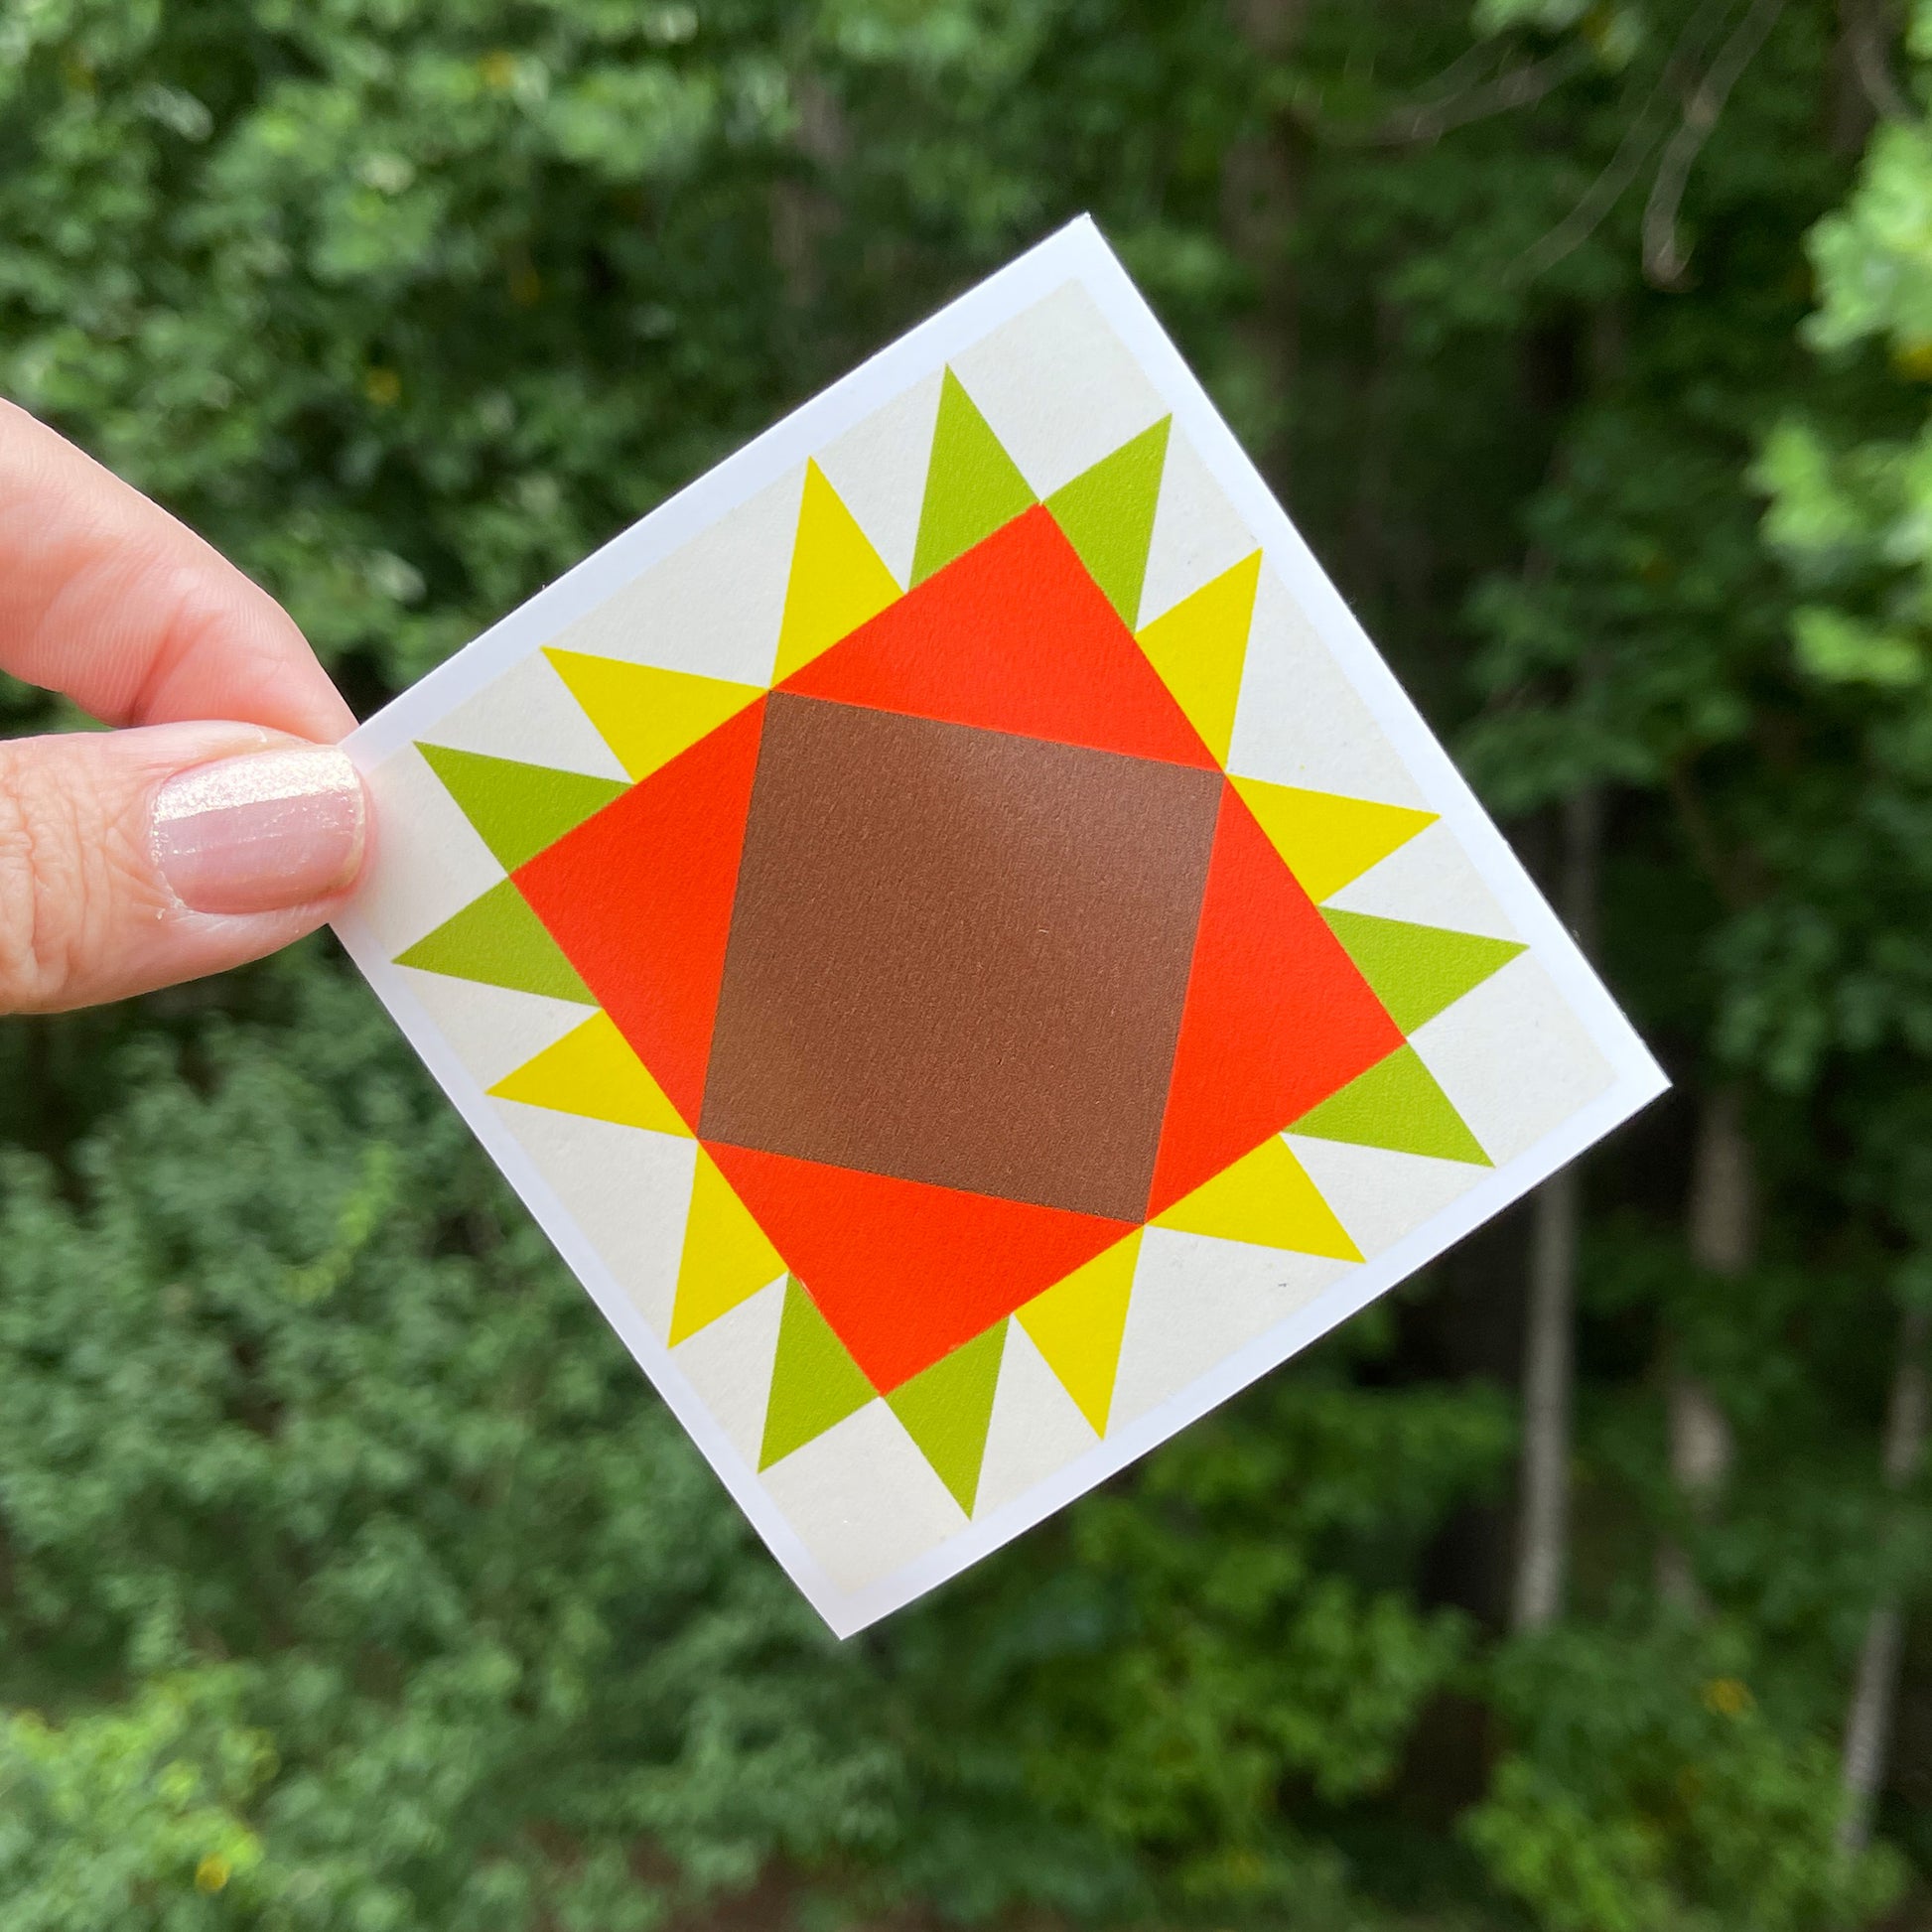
214 822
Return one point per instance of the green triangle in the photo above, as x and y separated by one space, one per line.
1417 970
500 941
971 485
947 1409
814 1380
1396 1104
517 809
1107 514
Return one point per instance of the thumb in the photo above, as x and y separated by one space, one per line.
134 858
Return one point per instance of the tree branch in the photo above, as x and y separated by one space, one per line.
1664 260
1621 170
1866 38
1521 86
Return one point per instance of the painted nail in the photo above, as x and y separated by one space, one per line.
259 833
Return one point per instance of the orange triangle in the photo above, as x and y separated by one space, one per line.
1013 636
905 1271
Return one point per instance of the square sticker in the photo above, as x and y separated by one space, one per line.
961 941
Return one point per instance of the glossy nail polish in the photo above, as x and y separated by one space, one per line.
259 833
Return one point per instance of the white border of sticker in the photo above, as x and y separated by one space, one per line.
1076 253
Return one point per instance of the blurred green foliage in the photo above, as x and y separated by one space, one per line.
350 1577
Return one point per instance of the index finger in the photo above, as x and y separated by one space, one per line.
106 597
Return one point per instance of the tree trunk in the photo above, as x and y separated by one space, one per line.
804 216
1549 1377
1722 1220
1868 1725
1550 1348
1260 183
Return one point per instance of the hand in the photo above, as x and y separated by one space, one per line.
219 825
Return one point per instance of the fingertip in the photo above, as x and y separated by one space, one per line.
219 645
107 598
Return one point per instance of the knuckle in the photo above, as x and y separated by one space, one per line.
64 867
40 893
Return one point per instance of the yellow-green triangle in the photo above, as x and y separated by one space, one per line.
1107 514
518 808
727 1258
972 486
1417 970
947 1409
647 715
592 1071
837 579
1200 646
1328 839
814 1380
497 941
1078 1322
1267 1199
1396 1105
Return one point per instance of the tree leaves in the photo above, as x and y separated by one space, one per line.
307 1444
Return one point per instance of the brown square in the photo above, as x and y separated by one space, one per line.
959 956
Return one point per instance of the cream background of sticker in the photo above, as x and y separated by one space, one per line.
1430 880
1538 1058
862 1500
1512 1059
1058 388
1377 1194
1198 533
491 1030
729 1363
1298 721
1196 1300
713 608
529 714
427 862
878 470
1037 1426
629 1188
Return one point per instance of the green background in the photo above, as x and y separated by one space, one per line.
352 1579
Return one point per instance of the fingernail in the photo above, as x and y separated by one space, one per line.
259 833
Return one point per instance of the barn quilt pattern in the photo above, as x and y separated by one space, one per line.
961 965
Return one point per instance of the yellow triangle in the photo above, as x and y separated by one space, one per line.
1268 1199
726 1259
1199 646
1328 839
646 715
592 1071
837 577
1078 1322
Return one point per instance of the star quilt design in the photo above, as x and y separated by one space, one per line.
964 963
